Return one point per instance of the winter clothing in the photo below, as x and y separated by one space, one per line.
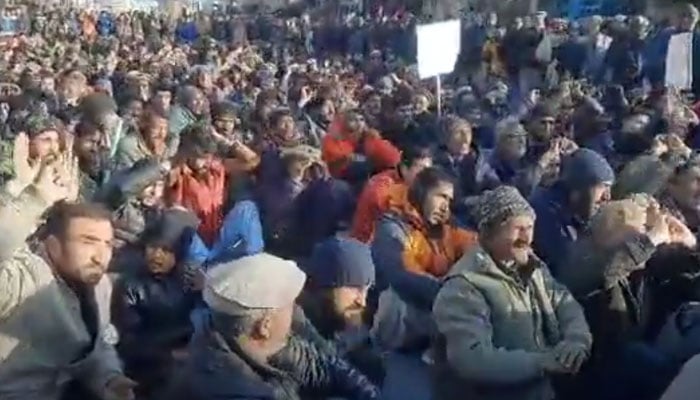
372 203
205 196
686 385
523 174
463 170
341 262
187 32
409 258
492 338
322 209
340 152
241 234
38 310
585 168
234 374
625 61
278 201
313 322
615 285
132 148
498 205
556 227
152 315
260 281
601 280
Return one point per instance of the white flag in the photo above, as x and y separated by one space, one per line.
679 61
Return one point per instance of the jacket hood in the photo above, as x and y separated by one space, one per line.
399 205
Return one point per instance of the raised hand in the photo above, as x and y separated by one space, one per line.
58 179
25 172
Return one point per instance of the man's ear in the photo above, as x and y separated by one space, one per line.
53 247
263 328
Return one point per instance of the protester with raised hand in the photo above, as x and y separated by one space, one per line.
56 291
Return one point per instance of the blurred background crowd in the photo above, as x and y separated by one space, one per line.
253 200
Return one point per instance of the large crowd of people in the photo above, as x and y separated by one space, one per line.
244 204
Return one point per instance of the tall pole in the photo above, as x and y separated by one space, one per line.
534 6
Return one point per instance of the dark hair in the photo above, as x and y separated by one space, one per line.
277 115
448 124
60 215
196 140
223 109
86 127
411 153
96 104
150 114
164 86
426 180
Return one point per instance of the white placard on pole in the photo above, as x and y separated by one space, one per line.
679 61
438 48
438 94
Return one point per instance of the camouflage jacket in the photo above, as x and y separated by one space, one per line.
88 187
7 168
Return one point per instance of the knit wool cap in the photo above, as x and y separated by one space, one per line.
585 168
497 206
341 262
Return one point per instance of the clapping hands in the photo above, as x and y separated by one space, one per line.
566 358
54 179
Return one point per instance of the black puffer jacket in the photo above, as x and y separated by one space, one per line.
152 316
218 369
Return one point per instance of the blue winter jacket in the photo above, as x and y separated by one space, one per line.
240 235
556 226
187 32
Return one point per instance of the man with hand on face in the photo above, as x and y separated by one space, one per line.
43 144
54 299
506 325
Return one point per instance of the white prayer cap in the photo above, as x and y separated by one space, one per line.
256 282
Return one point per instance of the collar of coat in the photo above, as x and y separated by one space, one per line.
479 261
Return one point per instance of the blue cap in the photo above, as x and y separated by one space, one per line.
585 168
341 262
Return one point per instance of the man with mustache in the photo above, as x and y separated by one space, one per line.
90 148
506 326
54 298
41 142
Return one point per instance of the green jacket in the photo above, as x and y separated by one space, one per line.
494 325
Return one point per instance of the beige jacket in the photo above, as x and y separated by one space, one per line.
494 327
686 385
44 342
